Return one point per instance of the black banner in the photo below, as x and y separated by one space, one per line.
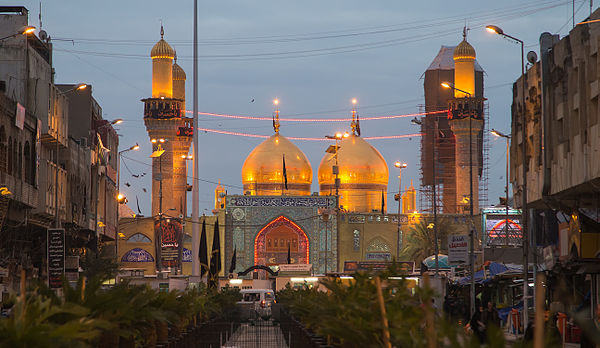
56 257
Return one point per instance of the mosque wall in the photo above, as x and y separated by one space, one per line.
248 216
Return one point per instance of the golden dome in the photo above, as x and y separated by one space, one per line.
262 172
178 73
464 50
162 50
363 175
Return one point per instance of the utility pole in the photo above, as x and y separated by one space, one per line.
195 181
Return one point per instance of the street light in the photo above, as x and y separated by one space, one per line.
471 227
507 137
399 165
451 85
333 149
158 154
121 198
419 122
24 31
524 215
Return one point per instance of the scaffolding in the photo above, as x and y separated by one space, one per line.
438 139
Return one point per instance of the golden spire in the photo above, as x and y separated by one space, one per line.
355 124
276 124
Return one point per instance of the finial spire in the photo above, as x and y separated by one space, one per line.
276 124
162 30
355 125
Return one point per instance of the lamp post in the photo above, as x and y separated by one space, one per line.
507 137
471 227
434 190
399 165
336 171
24 31
158 237
120 197
78 87
525 212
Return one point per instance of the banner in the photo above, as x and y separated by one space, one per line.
171 233
458 249
20 116
56 257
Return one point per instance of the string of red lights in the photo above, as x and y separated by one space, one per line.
257 118
208 130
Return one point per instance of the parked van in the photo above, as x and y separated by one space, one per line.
261 297
256 303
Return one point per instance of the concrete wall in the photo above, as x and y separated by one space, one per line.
563 134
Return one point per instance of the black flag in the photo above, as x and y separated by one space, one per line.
203 252
274 122
382 203
138 205
284 173
215 256
357 125
233 261
289 259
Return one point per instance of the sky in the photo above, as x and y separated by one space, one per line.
313 55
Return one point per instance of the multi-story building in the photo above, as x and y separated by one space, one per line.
89 130
46 167
562 135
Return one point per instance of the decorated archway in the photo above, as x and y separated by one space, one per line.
278 238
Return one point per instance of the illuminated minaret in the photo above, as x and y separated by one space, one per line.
466 121
167 126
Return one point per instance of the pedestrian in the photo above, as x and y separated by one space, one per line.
477 325
490 315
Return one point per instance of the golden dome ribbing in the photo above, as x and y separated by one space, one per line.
178 73
262 172
363 175
464 50
162 50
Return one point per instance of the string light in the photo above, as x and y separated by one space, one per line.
217 131
256 118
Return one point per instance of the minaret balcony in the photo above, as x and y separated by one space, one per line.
162 108
459 108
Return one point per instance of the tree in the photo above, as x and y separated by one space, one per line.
419 244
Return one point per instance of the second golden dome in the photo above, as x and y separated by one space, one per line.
262 172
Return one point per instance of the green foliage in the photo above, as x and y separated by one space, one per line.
40 323
418 243
349 315
95 266
90 315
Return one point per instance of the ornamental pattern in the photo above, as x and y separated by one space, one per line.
137 255
379 245
258 201
260 211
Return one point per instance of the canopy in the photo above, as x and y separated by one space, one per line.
489 271
442 261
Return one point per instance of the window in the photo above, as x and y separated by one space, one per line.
356 239
28 165
20 168
138 238
10 156
15 157
2 149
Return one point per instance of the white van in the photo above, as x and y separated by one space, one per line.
260 297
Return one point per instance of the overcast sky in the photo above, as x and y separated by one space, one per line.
314 55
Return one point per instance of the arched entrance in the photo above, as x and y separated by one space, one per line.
275 239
